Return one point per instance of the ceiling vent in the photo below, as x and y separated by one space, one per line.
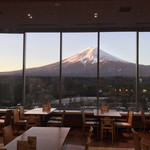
125 9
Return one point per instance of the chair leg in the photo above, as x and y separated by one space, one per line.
117 132
112 136
102 135
83 128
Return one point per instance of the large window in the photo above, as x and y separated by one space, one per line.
11 54
144 70
79 67
118 69
77 87
42 69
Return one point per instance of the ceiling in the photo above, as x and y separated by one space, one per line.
74 15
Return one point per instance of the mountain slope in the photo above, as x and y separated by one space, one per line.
84 64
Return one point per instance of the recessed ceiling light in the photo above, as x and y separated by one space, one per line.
95 15
29 15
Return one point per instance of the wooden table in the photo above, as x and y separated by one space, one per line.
48 138
111 113
43 115
38 111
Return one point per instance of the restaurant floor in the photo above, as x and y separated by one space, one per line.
124 140
77 137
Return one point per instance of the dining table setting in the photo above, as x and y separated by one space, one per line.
40 138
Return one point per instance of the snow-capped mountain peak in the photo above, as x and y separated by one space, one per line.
89 55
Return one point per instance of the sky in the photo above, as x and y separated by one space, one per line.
43 48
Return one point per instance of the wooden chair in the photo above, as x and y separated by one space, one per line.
78 147
143 145
136 140
46 107
7 134
7 119
87 123
32 121
127 125
55 122
17 122
107 123
21 113
123 119
144 120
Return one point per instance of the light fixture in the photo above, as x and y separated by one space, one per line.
29 15
95 15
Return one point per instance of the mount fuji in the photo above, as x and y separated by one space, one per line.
84 64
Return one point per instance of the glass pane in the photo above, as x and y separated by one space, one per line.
144 70
11 52
118 70
42 73
79 70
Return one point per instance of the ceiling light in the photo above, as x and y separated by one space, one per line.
29 15
95 15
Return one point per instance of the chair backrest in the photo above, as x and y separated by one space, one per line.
144 146
136 140
8 116
7 134
107 122
63 116
32 121
130 118
83 116
46 107
21 111
16 115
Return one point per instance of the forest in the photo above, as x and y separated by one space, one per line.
77 92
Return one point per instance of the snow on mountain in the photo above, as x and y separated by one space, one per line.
89 55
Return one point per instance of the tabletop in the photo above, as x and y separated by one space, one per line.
4 110
38 111
110 113
48 138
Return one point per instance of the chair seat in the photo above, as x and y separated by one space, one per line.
122 124
90 123
21 122
56 118
54 122
2 117
91 119
73 147
2 121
